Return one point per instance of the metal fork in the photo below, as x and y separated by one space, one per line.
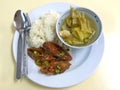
25 61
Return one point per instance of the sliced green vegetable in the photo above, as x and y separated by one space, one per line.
58 67
57 71
62 53
68 49
45 63
38 62
36 53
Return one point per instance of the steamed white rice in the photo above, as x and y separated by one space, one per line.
43 29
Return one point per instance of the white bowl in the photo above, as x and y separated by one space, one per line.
90 14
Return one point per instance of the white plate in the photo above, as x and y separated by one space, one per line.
84 60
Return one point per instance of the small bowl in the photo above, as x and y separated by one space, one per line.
89 13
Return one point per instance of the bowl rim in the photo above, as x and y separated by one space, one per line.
80 9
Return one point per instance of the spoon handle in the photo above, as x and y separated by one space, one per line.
19 55
25 62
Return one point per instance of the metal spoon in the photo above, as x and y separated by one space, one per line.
19 25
